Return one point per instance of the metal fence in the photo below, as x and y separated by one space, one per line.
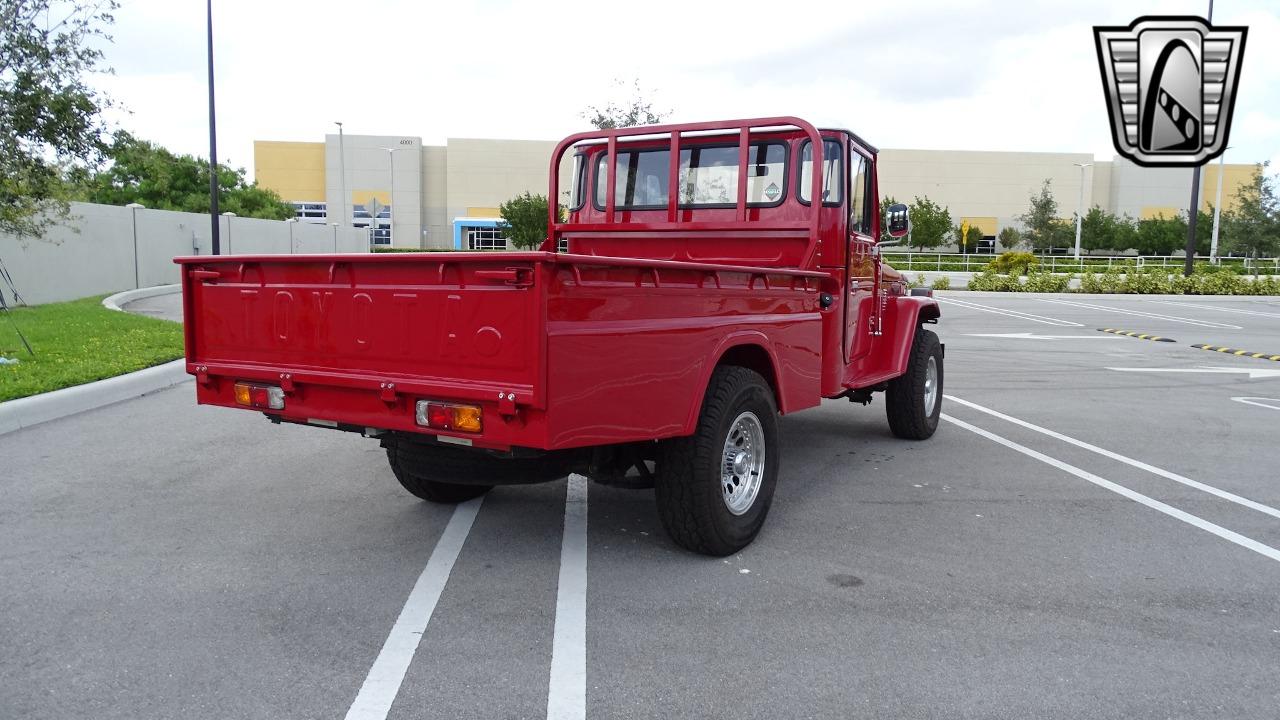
974 262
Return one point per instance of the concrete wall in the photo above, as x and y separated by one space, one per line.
94 252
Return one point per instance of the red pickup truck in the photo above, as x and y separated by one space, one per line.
730 272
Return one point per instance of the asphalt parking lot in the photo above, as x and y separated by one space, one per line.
1092 532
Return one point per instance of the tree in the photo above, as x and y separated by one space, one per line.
50 118
1044 229
930 223
524 220
1100 230
1253 228
635 111
1009 237
1160 235
146 173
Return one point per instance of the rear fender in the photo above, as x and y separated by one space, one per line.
744 339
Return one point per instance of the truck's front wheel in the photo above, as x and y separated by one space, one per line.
714 488
418 468
914 400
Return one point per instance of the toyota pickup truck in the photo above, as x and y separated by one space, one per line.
704 279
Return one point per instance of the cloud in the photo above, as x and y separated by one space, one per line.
968 74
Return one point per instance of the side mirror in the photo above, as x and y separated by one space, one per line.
899 221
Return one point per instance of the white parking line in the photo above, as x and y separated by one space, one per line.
1216 492
381 686
567 688
1171 511
1237 311
1269 403
1139 313
1010 313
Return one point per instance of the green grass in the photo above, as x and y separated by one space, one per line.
78 342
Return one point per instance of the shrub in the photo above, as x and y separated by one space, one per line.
1043 282
1148 281
1109 281
1014 263
994 282
942 283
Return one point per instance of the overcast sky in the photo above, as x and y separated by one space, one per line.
939 74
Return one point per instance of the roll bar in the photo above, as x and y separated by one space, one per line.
744 127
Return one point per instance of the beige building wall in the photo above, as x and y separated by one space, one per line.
435 198
295 170
983 184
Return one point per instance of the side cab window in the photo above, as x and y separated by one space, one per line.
859 191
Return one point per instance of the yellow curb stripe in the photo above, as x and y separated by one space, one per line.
1234 351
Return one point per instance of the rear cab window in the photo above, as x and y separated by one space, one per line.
707 177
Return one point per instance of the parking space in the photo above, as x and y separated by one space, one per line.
1092 533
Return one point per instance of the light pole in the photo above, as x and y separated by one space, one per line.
1080 210
391 210
213 143
342 172
1217 208
1193 211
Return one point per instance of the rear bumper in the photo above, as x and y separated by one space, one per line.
353 403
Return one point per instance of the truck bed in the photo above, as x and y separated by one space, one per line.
559 350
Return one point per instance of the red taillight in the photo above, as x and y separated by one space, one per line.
439 416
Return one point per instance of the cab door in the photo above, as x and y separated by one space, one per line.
861 305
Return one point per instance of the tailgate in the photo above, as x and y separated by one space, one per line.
437 325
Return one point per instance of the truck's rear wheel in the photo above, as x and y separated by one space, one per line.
914 400
418 468
714 488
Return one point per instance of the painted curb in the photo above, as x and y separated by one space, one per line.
28 411
119 300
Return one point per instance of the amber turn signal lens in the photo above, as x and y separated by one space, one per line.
467 418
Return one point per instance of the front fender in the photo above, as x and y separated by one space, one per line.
908 312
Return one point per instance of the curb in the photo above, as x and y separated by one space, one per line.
1236 352
1140 336
28 411
119 300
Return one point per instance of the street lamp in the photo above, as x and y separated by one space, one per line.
1080 211
342 172
1217 208
391 211
213 144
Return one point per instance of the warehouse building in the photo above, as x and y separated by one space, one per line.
413 195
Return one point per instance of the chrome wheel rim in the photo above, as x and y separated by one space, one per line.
931 385
742 463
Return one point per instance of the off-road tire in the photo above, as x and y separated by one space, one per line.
691 502
415 469
905 397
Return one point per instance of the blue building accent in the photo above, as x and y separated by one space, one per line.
461 224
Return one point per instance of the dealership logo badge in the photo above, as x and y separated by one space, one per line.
1170 84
